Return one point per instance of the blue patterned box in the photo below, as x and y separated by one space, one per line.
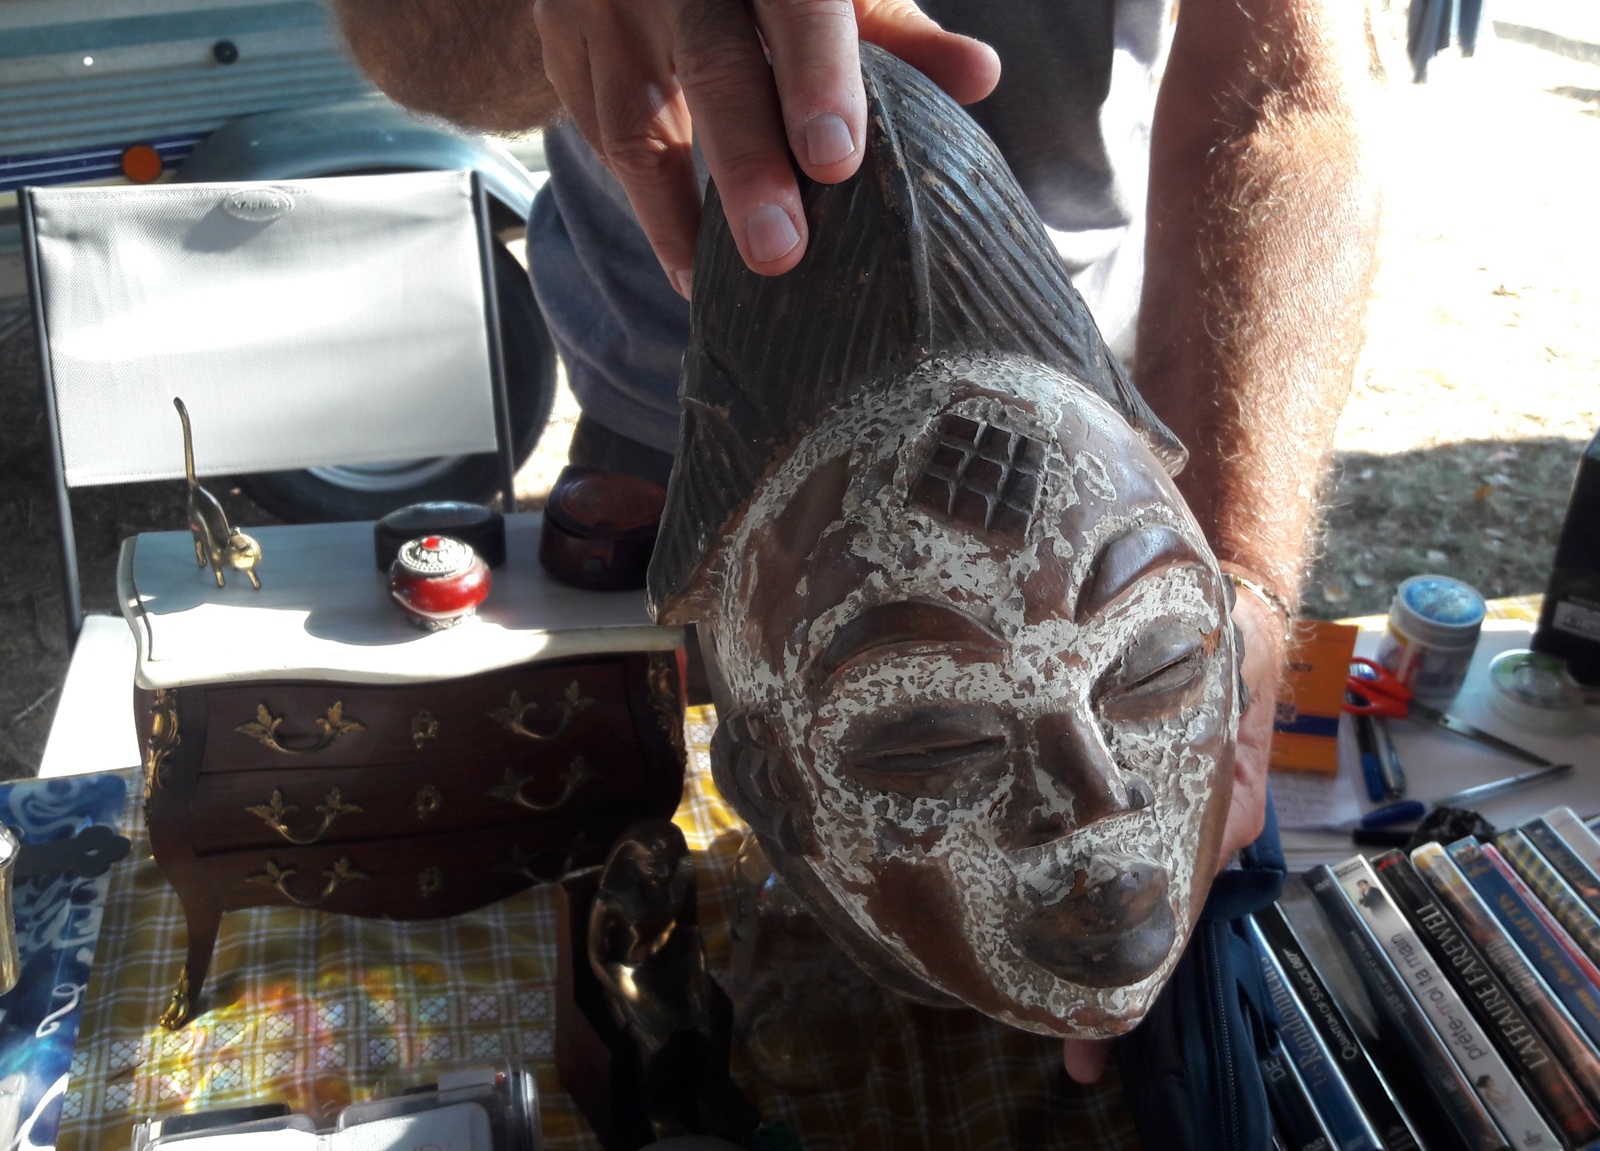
58 919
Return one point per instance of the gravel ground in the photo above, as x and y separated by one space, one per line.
1480 379
1477 389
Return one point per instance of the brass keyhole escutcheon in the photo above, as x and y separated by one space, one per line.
429 800
423 728
430 882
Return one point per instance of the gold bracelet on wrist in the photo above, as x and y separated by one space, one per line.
1275 602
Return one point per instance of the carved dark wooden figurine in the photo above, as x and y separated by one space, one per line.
976 675
645 949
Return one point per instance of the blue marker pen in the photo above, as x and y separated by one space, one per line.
1371 764
1394 776
1406 811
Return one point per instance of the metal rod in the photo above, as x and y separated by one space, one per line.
72 598
1485 790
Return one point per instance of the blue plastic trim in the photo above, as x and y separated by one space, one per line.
84 164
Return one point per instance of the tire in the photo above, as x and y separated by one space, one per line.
368 492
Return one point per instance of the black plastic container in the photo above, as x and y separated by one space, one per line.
1569 624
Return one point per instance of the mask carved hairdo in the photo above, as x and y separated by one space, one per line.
930 250
976 681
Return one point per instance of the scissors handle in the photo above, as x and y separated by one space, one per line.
1372 690
1379 678
1360 701
1369 706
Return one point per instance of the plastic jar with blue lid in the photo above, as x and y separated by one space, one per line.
1432 632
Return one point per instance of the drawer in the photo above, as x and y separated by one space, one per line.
421 877
272 726
559 786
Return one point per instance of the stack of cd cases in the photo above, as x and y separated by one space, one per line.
1448 997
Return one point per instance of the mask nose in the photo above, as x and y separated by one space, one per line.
1072 755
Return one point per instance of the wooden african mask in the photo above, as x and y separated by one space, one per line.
977 679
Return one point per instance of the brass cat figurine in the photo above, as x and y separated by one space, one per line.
215 541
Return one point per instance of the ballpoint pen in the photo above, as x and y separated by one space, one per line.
1410 810
1371 691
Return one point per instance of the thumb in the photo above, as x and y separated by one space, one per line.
1086 1059
967 69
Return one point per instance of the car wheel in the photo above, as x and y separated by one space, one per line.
370 491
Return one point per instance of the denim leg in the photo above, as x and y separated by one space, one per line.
1427 30
1471 18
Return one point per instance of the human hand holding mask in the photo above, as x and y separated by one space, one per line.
977 677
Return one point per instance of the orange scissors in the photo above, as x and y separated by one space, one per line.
1372 689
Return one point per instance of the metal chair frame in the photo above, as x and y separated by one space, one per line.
72 589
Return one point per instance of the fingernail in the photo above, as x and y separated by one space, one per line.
769 233
683 280
828 139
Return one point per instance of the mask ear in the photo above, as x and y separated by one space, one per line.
763 785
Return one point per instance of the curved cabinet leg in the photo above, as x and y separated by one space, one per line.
203 922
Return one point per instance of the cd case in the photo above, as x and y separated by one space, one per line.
471 1109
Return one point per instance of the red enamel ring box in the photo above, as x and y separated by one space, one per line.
438 581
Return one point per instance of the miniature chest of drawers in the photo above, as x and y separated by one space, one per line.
304 745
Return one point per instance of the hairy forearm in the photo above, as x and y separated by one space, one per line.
1263 219
476 63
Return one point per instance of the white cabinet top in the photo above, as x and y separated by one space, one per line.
323 613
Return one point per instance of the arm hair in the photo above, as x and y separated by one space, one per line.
475 63
1263 221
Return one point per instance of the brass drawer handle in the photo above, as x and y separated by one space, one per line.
520 864
264 729
513 716
334 878
272 813
576 775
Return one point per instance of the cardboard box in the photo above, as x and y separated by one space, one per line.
1305 731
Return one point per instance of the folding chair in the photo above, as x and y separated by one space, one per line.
346 320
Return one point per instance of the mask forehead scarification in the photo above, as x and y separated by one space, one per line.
981 476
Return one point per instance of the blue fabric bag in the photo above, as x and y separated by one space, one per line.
1190 1070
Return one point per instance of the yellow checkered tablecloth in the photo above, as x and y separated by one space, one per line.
317 1010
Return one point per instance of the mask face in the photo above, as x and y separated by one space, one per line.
987 657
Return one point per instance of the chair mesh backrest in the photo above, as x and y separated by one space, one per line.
303 322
